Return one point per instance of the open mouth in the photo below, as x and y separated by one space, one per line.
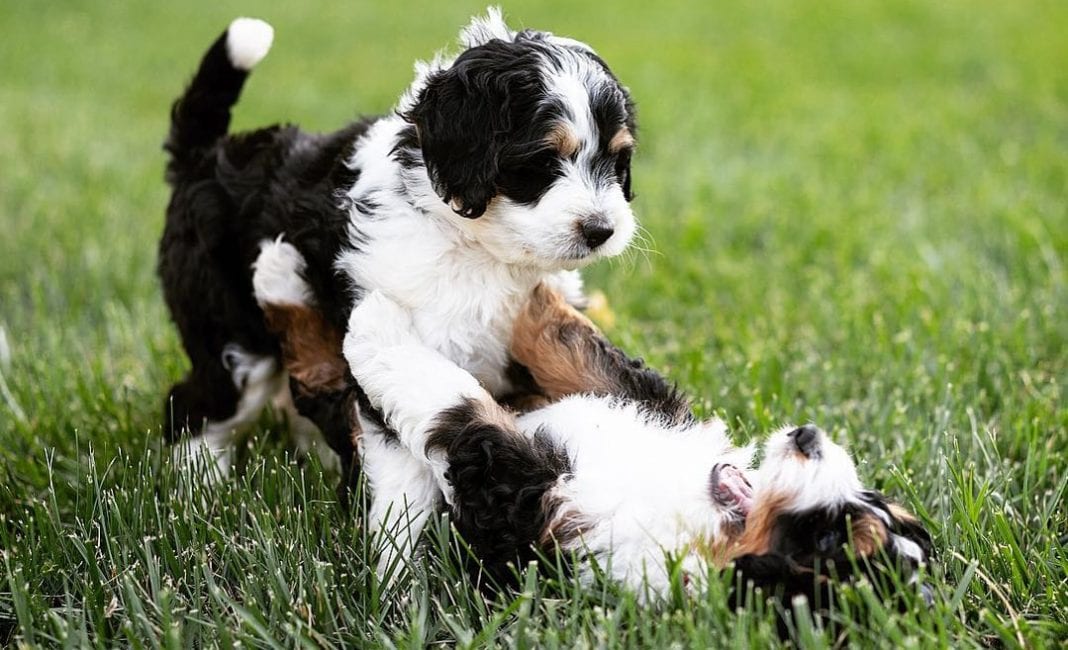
730 488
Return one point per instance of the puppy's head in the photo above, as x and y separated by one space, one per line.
812 522
528 138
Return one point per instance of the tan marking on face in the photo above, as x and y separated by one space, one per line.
760 526
311 347
563 138
620 141
868 534
559 346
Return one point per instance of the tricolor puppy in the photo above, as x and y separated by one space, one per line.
612 467
502 167
615 469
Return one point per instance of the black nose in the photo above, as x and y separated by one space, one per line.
806 439
596 232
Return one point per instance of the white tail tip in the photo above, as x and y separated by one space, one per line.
247 41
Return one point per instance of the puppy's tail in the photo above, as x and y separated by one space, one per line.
202 114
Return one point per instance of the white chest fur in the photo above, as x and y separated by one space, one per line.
463 300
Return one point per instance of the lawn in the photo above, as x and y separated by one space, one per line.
855 213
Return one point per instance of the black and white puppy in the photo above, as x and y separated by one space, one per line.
502 167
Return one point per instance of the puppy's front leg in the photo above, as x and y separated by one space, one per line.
494 476
404 495
408 382
567 355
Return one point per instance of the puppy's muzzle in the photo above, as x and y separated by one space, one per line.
596 231
807 440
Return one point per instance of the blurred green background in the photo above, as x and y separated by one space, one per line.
855 213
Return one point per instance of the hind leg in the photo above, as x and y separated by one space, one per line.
216 403
304 432
320 395
206 393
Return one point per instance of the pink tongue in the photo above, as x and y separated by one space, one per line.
732 486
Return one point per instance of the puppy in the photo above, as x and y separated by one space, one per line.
612 467
500 168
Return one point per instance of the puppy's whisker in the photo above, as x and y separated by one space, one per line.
641 245
644 240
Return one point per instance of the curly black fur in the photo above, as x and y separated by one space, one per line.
231 192
499 477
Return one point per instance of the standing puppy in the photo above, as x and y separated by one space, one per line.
502 167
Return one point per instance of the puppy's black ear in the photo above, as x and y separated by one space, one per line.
465 117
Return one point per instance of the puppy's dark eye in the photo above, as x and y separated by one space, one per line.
526 179
623 172
827 542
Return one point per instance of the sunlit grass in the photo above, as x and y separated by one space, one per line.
855 214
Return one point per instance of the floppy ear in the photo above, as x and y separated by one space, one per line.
453 125
464 118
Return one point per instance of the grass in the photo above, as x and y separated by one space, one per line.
855 213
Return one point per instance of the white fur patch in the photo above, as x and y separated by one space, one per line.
210 453
908 548
483 29
644 485
247 41
404 494
259 380
569 284
276 278
828 478
411 383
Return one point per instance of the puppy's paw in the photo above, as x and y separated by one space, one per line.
376 324
276 276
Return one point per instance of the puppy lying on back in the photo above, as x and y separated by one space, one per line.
611 467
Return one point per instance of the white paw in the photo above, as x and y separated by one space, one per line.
376 324
209 456
276 277
247 41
